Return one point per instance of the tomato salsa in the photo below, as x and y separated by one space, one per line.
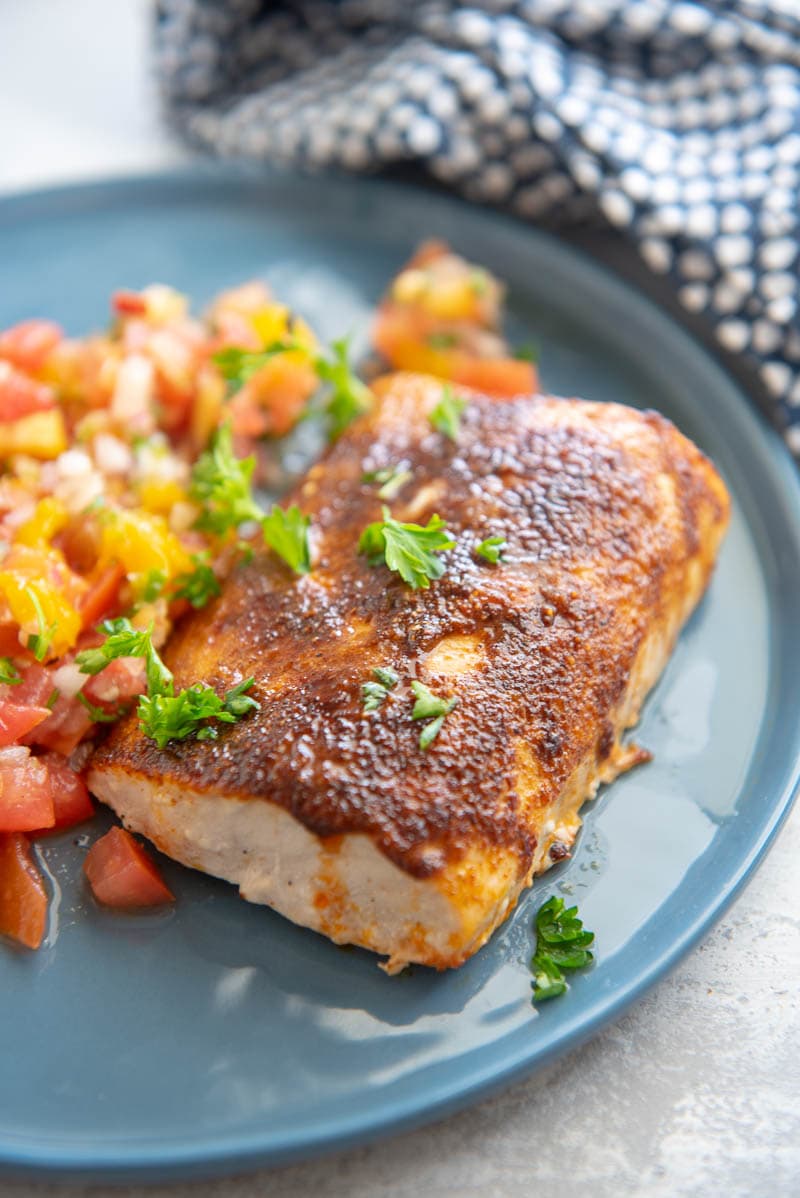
104 529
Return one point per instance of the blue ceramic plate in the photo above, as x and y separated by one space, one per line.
219 1036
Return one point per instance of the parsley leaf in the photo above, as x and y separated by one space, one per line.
375 693
408 549
198 586
286 532
163 715
429 707
39 643
349 397
391 478
446 416
527 353
123 640
9 674
239 365
166 717
221 483
492 549
154 584
561 943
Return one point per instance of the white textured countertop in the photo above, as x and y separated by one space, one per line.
697 1090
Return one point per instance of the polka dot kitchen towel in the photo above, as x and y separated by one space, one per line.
678 122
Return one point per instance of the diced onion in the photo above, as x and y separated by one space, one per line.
133 393
112 455
68 680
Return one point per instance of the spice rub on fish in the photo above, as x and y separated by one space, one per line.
609 521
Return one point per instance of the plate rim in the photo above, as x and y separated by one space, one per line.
128 1160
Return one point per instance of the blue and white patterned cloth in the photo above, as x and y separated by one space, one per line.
678 122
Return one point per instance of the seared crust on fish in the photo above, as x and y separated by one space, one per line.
336 817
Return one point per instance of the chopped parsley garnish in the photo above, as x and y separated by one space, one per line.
529 352
239 365
442 340
446 416
561 944
247 551
392 479
429 707
98 714
39 642
347 398
198 586
375 693
407 549
221 483
163 715
123 640
286 532
154 584
9 674
492 549
166 717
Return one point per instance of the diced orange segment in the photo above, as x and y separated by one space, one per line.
160 495
270 323
49 517
41 609
143 543
41 435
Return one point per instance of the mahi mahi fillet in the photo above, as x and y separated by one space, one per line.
336 817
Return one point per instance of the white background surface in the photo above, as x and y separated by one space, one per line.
694 1092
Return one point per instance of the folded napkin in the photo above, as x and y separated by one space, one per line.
677 122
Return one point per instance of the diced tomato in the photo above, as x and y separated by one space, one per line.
36 687
129 303
64 729
17 721
26 802
71 801
101 598
282 388
122 680
28 344
23 898
9 640
21 395
121 874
